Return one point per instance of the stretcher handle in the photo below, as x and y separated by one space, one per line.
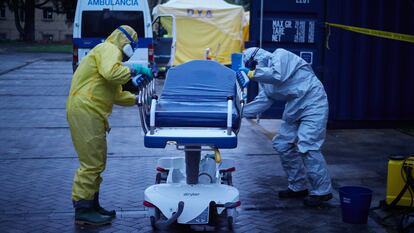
165 224
242 79
141 80
229 114
137 80
152 114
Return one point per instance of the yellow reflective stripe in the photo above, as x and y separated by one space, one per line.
377 33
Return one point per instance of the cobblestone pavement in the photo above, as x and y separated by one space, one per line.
37 164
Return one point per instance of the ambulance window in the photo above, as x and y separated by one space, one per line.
103 23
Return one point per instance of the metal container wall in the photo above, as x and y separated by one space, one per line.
369 79
295 25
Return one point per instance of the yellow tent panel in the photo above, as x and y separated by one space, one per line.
204 24
246 27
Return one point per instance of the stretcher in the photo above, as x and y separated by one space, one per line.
199 111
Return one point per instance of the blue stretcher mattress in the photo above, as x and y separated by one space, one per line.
195 95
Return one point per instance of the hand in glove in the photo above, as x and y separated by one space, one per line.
139 69
249 73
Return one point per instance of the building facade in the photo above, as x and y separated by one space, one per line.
49 26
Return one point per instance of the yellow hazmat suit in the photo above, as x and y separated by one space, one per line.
96 86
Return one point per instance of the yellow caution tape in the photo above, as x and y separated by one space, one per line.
377 33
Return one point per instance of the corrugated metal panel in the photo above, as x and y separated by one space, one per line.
369 78
295 25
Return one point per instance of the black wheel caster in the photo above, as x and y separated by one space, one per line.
230 222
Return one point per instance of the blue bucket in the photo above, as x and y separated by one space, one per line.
355 204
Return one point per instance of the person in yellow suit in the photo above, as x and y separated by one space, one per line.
96 86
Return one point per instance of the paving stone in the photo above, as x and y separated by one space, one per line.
38 162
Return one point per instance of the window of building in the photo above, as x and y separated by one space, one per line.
2 12
47 13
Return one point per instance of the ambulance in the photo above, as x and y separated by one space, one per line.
97 19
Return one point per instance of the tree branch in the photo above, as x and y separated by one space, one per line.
41 4
19 27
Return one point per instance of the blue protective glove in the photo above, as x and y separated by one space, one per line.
139 69
249 73
244 70
147 72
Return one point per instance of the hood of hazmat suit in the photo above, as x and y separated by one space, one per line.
119 39
96 86
262 56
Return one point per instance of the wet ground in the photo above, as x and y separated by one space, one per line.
37 163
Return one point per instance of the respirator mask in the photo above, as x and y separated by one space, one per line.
251 63
128 49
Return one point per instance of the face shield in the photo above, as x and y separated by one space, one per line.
253 57
251 63
128 49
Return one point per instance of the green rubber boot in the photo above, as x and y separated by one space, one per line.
100 209
110 213
90 216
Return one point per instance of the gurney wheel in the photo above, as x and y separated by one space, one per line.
161 177
157 217
152 219
227 178
230 222
158 178
213 214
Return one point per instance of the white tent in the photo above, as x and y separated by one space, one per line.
202 24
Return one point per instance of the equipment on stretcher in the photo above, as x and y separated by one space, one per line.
199 110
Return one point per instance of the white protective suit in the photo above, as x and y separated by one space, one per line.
285 76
